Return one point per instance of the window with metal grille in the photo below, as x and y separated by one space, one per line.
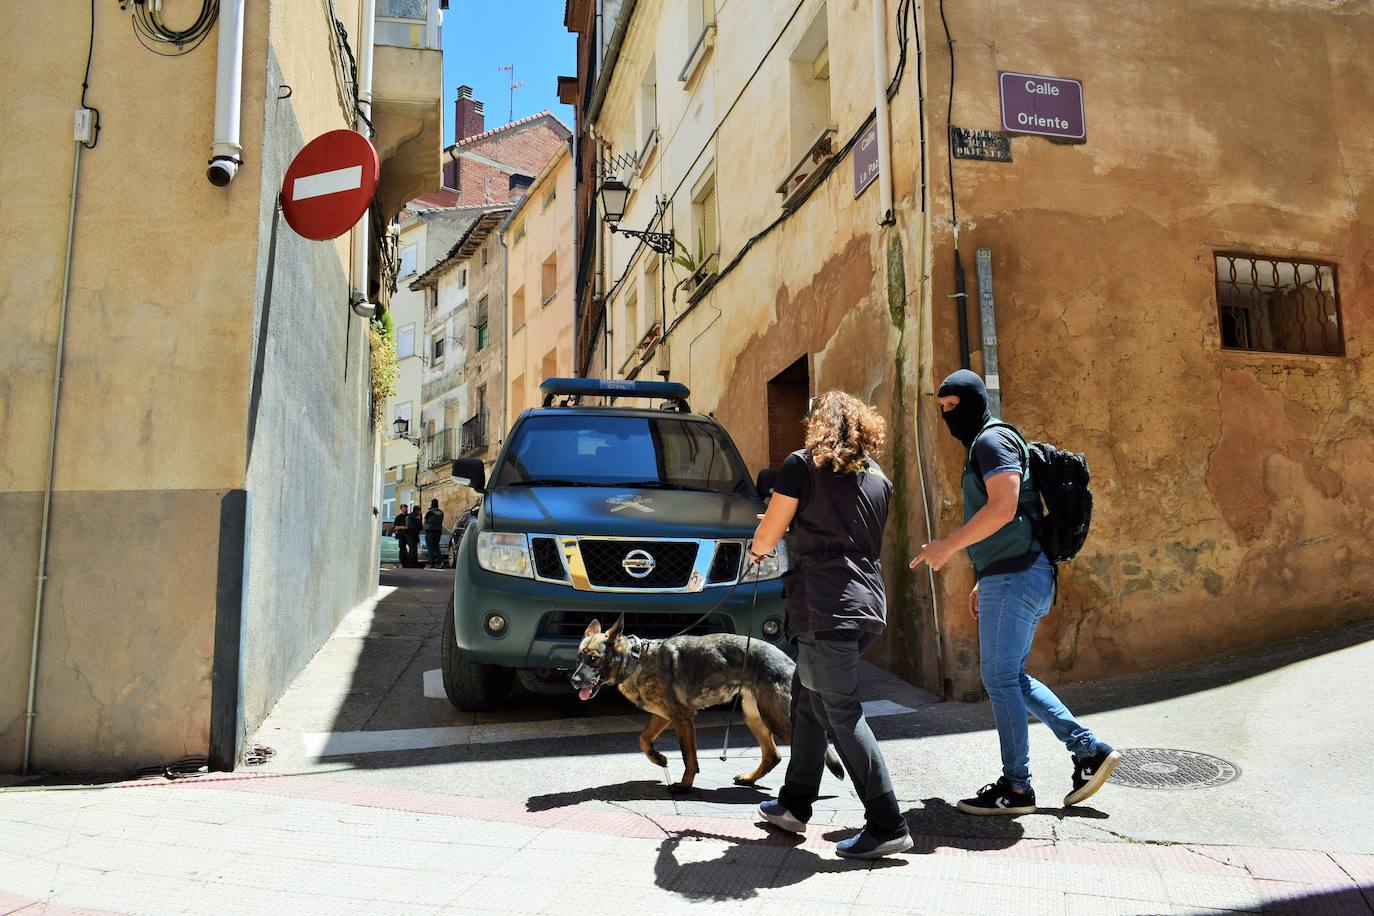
1278 305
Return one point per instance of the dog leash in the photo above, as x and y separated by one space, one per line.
744 670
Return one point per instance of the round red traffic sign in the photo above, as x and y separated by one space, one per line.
330 184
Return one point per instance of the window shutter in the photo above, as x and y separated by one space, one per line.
710 238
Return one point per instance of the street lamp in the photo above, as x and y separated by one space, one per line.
614 194
402 427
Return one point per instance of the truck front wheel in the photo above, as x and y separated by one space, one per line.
471 686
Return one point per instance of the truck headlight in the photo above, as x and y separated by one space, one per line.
772 566
505 553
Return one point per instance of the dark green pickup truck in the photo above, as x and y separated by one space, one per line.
598 511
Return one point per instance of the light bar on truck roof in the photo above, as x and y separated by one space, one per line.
613 388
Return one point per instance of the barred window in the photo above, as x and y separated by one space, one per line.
1278 305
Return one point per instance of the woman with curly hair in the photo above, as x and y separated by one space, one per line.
835 498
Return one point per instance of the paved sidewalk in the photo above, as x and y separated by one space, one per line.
296 844
382 798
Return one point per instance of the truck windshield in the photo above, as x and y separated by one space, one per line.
610 451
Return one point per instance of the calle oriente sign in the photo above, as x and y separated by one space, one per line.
1050 106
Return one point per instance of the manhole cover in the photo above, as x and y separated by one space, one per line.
1163 768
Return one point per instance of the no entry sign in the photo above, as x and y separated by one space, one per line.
330 184
1047 105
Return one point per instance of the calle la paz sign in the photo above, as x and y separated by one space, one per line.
1049 106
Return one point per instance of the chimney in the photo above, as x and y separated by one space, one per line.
467 115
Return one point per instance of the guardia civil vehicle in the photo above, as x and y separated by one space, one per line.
631 505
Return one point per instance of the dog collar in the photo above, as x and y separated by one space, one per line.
632 661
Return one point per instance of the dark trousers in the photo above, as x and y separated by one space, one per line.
407 550
432 548
825 701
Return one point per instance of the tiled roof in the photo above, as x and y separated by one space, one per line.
523 122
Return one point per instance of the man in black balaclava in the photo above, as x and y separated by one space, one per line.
1015 588
969 414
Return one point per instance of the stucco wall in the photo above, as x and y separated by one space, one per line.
312 537
154 396
167 282
1233 490
546 326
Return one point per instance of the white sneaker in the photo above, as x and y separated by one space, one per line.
774 813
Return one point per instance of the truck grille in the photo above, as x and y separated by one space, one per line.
573 624
548 559
725 566
604 561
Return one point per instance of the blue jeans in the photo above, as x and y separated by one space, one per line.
1009 607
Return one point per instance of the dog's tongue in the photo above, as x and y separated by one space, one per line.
585 693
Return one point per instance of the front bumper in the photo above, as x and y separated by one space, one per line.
525 603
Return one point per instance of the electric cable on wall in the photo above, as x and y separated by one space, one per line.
154 34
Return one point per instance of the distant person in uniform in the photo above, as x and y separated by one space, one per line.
434 530
398 531
835 498
1015 588
413 527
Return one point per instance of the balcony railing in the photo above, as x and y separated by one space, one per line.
441 448
474 435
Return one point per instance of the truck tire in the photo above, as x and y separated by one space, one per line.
471 686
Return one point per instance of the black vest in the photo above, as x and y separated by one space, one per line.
835 544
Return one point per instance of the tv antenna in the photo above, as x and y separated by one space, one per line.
510 69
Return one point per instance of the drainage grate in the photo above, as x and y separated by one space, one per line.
1163 768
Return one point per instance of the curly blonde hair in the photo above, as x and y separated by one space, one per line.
843 431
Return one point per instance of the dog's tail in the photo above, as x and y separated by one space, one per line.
832 763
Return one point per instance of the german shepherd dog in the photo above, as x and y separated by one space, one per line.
672 679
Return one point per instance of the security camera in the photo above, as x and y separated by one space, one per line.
361 307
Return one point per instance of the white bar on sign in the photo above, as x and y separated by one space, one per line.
993 381
327 183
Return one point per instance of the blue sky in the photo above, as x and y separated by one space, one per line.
481 35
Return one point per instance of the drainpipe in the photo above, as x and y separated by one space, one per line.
880 78
361 248
226 155
52 456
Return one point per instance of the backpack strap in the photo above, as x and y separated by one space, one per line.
1021 441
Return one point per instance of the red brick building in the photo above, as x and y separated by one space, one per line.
494 166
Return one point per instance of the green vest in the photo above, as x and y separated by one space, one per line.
1015 540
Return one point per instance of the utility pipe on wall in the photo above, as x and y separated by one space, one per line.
29 709
361 249
226 155
880 78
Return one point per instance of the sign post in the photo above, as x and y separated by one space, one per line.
330 184
1049 106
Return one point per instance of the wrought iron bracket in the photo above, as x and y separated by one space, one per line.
662 242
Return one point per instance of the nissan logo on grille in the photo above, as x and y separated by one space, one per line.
638 563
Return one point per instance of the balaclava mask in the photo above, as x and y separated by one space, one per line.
971 413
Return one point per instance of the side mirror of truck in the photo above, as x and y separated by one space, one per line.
767 477
472 472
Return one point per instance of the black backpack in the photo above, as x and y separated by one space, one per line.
1061 478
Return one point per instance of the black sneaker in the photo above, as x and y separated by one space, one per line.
998 798
1092 773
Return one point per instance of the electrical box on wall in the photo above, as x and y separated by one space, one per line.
83 125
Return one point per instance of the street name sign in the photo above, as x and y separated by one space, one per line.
988 145
1049 106
330 184
865 156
